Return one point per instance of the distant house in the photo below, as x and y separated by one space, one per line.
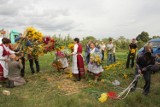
13 34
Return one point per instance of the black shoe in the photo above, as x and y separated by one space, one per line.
145 93
9 84
78 79
132 89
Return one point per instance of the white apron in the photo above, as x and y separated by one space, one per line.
2 62
74 60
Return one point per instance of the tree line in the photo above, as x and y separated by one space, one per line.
121 43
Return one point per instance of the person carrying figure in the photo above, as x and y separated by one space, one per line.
33 59
144 66
21 37
109 49
132 53
77 60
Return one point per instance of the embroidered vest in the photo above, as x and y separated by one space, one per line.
5 52
79 50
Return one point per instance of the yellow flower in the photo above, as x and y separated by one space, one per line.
59 87
33 34
62 47
133 51
125 76
102 80
103 98
71 46
70 75
95 58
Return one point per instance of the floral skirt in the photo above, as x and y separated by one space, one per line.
92 67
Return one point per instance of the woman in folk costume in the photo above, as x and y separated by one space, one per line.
94 65
4 58
77 61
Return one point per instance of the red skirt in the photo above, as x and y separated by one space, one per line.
1 74
80 65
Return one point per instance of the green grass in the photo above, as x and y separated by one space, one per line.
42 89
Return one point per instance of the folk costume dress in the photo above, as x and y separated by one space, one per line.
77 61
92 66
4 54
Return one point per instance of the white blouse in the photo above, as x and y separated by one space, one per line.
75 49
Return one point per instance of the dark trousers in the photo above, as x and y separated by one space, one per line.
102 55
147 77
114 57
130 57
23 68
110 59
31 65
87 58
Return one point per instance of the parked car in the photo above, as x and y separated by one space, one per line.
155 46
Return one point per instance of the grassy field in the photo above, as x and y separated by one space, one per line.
50 88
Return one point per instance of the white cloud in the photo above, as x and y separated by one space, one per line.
101 18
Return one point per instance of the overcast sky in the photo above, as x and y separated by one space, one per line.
100 18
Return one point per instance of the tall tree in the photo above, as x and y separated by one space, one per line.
91 38
144 36
156 37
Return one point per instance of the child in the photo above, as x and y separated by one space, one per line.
15 66
60 56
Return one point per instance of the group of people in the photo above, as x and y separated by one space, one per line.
103 48
92 67
78 69
12 64
146 64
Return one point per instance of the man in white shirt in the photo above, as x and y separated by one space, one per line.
102 47
114 53
110 52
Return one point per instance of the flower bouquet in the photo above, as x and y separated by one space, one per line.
71 46
57 64
31 42
48 44
133 51
96 58
33 35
